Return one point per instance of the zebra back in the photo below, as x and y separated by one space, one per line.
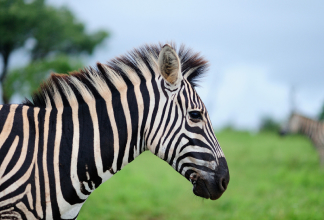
311 128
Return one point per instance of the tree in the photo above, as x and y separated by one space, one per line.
16 26
26 80
55 31
268 124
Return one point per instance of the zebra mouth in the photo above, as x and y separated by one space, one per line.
211 185
211 188
207 189
200 189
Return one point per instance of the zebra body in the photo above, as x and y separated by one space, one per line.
83 128
309 127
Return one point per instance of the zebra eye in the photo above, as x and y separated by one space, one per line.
195 115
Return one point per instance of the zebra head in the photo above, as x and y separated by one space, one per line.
186 137
292 126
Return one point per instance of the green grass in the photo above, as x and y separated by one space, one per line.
271 178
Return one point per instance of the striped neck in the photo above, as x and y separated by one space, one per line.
309 127
84 157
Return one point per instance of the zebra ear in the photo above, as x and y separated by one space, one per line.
169 65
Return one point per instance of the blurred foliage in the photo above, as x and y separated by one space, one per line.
50 31
25 81
269 124
60 32
321 115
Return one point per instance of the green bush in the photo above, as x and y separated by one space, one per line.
321 114
269 124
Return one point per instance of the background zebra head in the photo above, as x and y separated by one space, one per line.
186 137
293 125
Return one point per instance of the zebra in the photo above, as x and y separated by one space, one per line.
80 129
311 128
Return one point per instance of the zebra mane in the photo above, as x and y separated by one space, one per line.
92 82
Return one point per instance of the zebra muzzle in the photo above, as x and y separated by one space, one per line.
211 185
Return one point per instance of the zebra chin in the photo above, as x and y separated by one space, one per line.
211 185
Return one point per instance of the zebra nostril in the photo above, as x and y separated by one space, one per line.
223 184
222 175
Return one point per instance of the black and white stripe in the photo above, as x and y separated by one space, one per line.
311 128
82 128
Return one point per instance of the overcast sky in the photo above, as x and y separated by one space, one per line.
257 50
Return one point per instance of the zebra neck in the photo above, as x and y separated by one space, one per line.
89 142
102 137
309 127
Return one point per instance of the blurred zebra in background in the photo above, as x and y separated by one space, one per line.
81 129
309 127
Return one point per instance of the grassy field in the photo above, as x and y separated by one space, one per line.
271 178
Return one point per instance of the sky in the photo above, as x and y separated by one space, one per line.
258 51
